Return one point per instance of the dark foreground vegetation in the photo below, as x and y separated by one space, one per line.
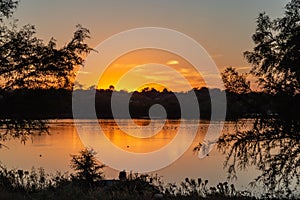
87 182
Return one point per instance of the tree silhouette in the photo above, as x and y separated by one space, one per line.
6 8
27 62
235 82
270 145
111 87
86 166
276 56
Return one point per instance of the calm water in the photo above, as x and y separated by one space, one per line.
53 151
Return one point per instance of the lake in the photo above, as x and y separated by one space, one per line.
53 151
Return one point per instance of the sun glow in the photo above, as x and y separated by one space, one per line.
150 75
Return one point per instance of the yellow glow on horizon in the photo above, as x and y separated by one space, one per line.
172 62
156 86
130 61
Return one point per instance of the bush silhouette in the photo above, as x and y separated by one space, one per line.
86 167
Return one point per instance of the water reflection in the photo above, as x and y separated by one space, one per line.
20 128
119 137
53 151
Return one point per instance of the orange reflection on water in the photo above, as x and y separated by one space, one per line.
130 143
51 151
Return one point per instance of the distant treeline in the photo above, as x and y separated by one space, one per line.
57 103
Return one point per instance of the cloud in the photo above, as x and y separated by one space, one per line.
172 62
82 72
239 68
244 68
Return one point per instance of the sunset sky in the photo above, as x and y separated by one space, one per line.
223 28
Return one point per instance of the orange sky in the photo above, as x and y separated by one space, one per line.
139 67
223 28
